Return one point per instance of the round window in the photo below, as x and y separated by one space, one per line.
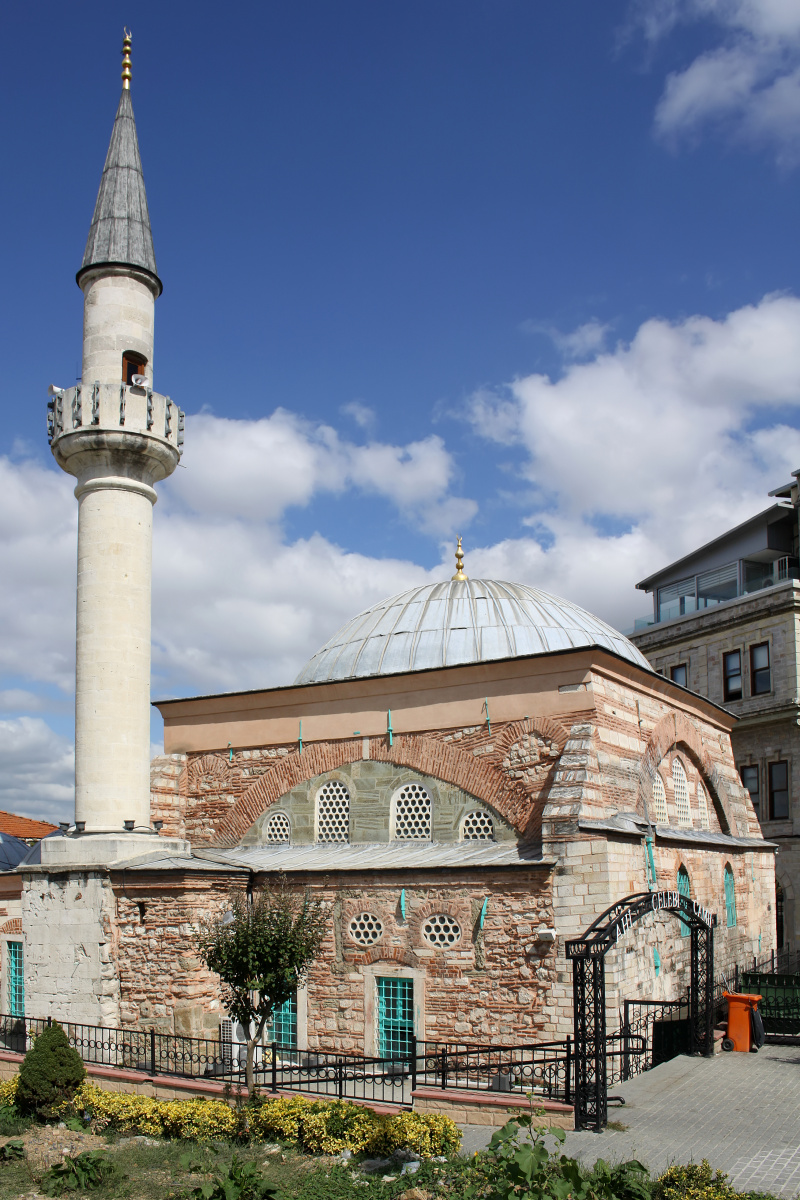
441 930
365 929
478 827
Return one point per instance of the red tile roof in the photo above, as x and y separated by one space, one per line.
24 827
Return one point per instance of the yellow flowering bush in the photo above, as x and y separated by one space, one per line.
693 1182
316 1126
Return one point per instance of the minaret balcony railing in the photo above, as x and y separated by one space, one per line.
114 406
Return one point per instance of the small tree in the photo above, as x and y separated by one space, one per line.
51 1072
261 950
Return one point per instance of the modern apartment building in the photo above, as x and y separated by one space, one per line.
726 624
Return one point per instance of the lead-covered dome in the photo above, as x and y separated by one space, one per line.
461 621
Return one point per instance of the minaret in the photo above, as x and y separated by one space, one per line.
118 437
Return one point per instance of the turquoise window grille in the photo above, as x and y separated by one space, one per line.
16 980
395 1017
730 897
684 889
283 1026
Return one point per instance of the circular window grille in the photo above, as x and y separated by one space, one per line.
478 827
412 812
365 929
333 813
441 930
278 828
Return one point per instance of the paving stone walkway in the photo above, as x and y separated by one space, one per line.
740 1111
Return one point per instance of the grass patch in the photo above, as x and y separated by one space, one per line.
617 1126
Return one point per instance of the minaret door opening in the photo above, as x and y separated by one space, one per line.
132 364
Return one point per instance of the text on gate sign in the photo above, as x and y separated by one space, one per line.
668 901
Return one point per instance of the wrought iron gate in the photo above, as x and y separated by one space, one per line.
589 990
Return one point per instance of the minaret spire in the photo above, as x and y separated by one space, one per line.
120 232
459 562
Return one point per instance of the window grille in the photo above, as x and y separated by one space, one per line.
478 827
16 980
412 812
226 1040
395 1017
282 1027
333 813
441 930
702 805
681 788
660 814
365 929
730 896
278 829
684 888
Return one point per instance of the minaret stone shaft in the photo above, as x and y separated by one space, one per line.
119 438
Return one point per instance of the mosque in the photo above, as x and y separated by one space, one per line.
469 772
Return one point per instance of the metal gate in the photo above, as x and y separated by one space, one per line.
589 990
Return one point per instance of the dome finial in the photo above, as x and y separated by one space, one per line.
459 562
126 60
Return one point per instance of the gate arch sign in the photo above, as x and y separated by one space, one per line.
589 989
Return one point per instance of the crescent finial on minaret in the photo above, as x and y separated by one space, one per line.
459 562
126 60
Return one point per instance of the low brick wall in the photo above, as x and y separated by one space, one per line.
489 1108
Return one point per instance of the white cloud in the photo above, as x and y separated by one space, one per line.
648 451
748 84
36 770
362 414
582 342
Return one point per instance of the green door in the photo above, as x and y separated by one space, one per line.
395 1017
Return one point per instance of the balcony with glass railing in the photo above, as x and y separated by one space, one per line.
697 592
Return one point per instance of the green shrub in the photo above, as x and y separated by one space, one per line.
693 1182
242 1181
89 1170
50 1074
12 1120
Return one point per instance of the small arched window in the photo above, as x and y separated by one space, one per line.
702 805
278 829
680 786
411 818
132 364
730 896
333 812
477 826
660 815
684 889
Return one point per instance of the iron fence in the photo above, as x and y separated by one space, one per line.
652 1032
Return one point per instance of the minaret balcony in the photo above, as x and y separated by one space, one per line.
117 407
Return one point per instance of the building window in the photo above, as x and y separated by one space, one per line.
412 812
679 674
660 815
760 681
478 827
395 1017
278 829
732 675
132 364
683 810
702 805
441 930
715 587
778 915
730 897
684 889
16 980
778 791
282 1027
677 599
749 778
366 929
333 813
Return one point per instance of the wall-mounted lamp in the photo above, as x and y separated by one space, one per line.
230 752
300 737
63 826
389 729
403 904
158 826
128 826
80 826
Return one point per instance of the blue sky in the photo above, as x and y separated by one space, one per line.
521 271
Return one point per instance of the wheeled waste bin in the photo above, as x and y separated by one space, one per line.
740 1006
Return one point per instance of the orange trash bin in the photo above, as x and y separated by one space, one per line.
740 1005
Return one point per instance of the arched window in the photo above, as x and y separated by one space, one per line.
778 914
684 888
477 826
730 896
278 829
702 805
681 788
412 812
333 812
659 814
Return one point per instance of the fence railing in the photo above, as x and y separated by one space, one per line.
652 1032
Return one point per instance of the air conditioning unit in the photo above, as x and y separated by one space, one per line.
233 1043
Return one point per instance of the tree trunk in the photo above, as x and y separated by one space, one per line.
252 1042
